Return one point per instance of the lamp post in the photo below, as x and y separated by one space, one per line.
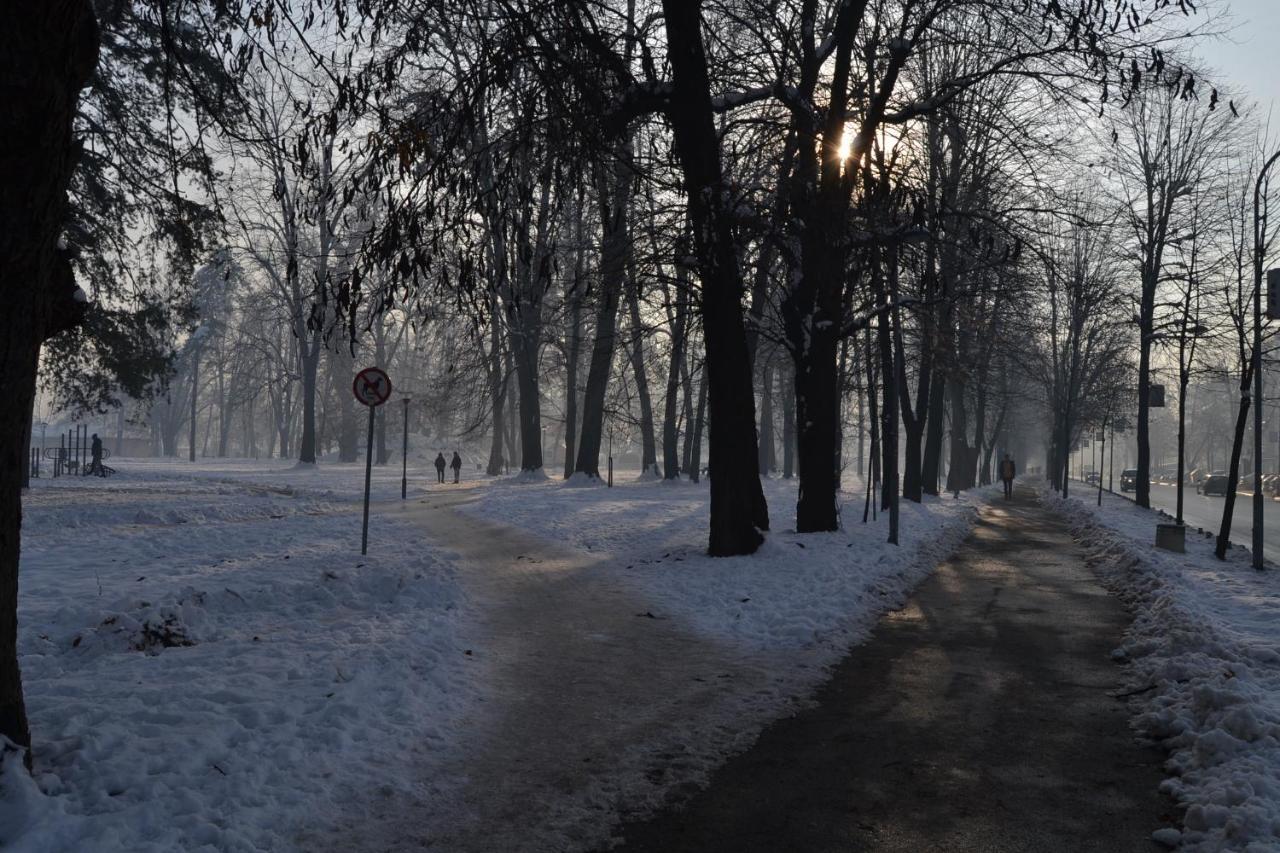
404 453
1259 248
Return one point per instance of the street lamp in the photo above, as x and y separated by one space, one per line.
404 453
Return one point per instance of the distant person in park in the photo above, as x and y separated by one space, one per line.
1007 472
95 454
440 467
456 465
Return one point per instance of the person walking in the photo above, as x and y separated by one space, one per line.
440 467
456 465
95 453
1007 472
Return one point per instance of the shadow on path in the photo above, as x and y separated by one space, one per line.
591 700
977 718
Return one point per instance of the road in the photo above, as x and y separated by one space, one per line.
1206 512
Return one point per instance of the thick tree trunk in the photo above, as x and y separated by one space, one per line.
816 414
526 358
309 356
738 509
47 53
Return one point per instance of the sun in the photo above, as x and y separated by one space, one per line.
845 148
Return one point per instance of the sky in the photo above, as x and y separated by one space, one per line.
1248 55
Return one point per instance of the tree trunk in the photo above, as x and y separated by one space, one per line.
526 358
309 356
671 407
768 461
648 441
195 390
1142 483
573 353
1233 472
497 394
47 54
738 509
615 199
693 445
788 428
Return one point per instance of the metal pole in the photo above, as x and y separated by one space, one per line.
404 454
611 457
368 472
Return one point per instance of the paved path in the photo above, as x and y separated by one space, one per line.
580 677
978 718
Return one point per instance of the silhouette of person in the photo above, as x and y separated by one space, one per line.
440 467
1007 472
456 465
95 453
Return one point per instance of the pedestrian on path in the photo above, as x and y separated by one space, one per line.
456 464
440 467
1007 472
95 452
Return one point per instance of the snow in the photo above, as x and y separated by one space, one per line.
819 593
211 665
1204 654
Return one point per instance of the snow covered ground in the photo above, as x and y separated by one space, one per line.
817 592
1205 654
211 665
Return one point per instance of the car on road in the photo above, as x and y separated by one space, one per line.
1129 480
1092 478
1214 484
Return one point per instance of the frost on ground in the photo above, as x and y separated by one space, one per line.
211 665
1204 650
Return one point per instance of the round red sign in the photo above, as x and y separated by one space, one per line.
372 386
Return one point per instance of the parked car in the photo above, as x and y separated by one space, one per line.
1092 478
1214 484
1129 480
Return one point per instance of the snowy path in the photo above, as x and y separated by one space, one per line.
991 725
586 690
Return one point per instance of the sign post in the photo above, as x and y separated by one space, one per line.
404 454
372 387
